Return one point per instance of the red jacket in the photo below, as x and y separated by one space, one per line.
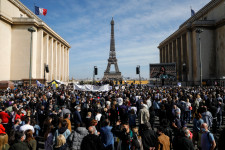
4 116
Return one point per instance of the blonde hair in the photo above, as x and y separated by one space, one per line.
3 140
61 140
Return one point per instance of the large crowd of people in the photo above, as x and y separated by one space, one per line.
132 117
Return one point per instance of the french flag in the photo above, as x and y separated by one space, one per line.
40 11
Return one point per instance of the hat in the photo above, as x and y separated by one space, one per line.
2 129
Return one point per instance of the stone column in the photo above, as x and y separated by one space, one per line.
39 61
55 60
170 53
59 61
177 59
62 63
189 56
65 63
68 63
166 53
50 62
174 51
160 55
46 53
181 58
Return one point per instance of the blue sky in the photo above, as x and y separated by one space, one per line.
140 25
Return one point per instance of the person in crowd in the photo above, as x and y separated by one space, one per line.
27 125
188 110
124 133
4 141
37 128
182 140
176 111
197 122
77 117
163 140
143 116
77 136
88 119
48 137
17 125
207 139
195 106
19 142
152 117
132 118
41 115
219 112
47 123
107 136
63 130
207 117
67 118
61 143
221 143
91 141
149 137
136 143
11 136
64 111
30 139
5 118
113 114
162 114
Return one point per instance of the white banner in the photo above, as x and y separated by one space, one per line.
88 87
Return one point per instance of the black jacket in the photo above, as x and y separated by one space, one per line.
19 146
149 139
91 142
182 143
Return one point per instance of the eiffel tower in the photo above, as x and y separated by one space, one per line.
115 75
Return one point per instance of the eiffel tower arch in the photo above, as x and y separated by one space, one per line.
112 75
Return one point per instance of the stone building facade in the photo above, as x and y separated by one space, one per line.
48 47
184 45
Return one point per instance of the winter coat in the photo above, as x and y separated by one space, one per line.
76 138
49 142
163 142
5 117
143 115
149 139
91 142
19 146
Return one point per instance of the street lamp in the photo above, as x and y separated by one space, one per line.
95 72
199 31
138 72
31 30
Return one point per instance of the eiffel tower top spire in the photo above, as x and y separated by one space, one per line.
112 40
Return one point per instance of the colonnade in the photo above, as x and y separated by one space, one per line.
178 51
55 54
